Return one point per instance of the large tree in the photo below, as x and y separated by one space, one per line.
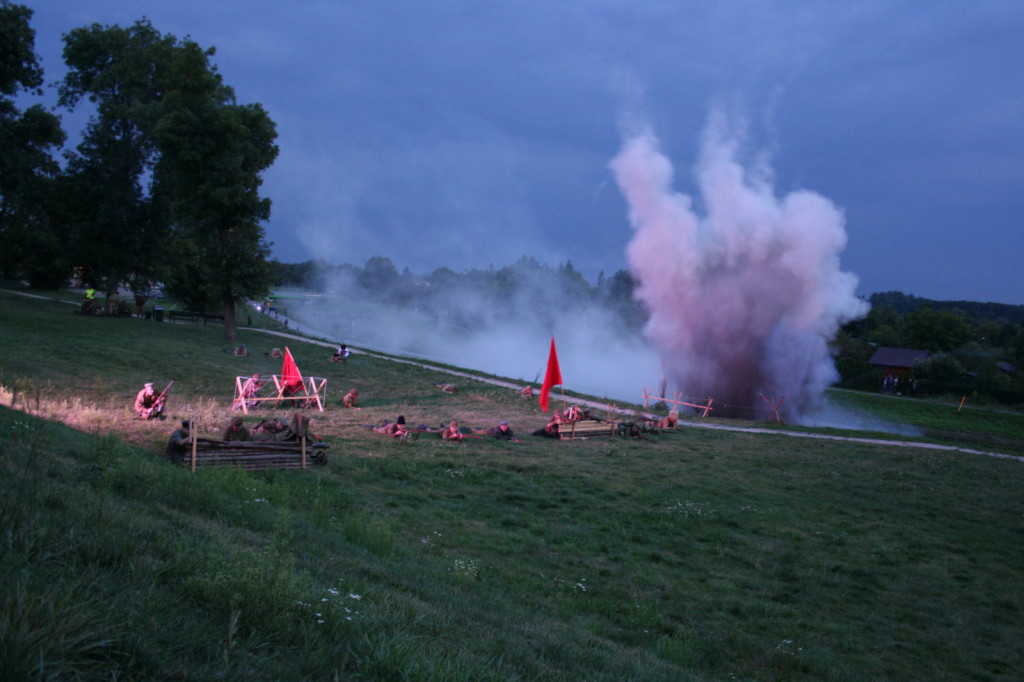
212 153
31 238
117 233
166 181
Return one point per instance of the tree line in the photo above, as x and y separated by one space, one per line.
164 185
975 347
526 291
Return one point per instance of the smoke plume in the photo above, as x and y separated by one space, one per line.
744 299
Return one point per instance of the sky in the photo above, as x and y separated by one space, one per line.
469 134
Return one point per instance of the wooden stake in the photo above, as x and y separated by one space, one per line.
192 435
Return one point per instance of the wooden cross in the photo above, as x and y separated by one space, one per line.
774 408
677 401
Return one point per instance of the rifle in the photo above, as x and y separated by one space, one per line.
163 394
254 389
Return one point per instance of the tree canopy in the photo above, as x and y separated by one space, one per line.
29 230
165 184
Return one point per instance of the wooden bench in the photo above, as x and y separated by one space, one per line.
192 317
255 455
212 317
586 428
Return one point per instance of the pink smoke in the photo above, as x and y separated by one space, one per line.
744 300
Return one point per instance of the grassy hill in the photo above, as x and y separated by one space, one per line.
699 554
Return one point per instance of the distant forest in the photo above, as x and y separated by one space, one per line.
908 303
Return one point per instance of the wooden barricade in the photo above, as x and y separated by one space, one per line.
586 428
677 401
254 455
312 392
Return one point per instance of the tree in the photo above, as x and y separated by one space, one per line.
379 275
212 151
29 230
943 331
117 233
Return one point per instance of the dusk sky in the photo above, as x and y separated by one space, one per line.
469 134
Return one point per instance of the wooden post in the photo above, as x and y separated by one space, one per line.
303 452
240 398
192 435
962 404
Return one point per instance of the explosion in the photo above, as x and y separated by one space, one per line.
744 300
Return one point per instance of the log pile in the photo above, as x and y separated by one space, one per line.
586 428
256 455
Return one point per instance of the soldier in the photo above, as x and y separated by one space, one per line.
502 432
396 430
452 432
179 442
250 389
149 405
236 430
670 421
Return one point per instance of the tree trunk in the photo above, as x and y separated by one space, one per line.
230 326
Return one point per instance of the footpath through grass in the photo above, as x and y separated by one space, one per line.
697 555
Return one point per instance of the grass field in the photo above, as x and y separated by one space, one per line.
696 555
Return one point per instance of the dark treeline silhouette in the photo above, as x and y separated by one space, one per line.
526 288
908 303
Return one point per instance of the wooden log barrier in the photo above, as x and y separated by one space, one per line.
255 455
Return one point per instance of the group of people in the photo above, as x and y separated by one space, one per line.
450 431
266 429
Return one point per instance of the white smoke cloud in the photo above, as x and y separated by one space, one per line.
510 339
744 299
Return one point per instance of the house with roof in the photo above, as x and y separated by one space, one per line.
894 362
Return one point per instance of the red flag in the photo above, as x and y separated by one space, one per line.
552 378
291 377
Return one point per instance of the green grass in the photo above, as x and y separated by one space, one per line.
697 555
994 429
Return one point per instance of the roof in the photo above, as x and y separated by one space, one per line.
898 357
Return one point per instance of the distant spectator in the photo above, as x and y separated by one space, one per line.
340 355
